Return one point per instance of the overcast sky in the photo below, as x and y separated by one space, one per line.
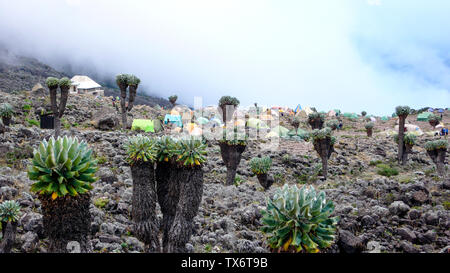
349 54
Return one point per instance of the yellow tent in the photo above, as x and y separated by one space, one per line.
174 113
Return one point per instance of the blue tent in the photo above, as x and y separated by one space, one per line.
440 110
298 109
430 110
173 119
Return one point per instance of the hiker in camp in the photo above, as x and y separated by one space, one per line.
340 125
444 131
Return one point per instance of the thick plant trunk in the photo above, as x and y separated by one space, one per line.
265 180
316 124
324 148
144 206
401 133
63 100
231 156
406 150
66 219
6 121
9 230
438 157
191 191
57 125
123 97
55 110
168 190
369 132
227 116
132 90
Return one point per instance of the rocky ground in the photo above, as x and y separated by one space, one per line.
408 212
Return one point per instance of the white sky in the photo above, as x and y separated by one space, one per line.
351 54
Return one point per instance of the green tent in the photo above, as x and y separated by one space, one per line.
255 123
202 120
424 116
281 131
385 118
144 125
351 115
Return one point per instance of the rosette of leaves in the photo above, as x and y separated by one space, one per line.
62 167
316 120
228 100
260 165
9 215
297 220
191 152
9 211
173 99
333 124
223 102
402 110
141 149
6 110
436 145
234 137
369 125
363 113
434 120
166 147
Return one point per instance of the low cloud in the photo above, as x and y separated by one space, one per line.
351 55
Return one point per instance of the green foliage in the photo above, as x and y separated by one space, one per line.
52 83
408 138
191 152
333 124
6 110
317 134
369 125
227 100
166 147
26 107
295 121
140 149
434 118
386 170
133 80
375 162
9 211
315 116
436 144
65 83
62 166
299 219
363 113
122 79
32 122
402 110
260 165
101 202
238 180
173 98
234 137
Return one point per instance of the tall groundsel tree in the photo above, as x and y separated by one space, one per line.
141 155
64 170
58 109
